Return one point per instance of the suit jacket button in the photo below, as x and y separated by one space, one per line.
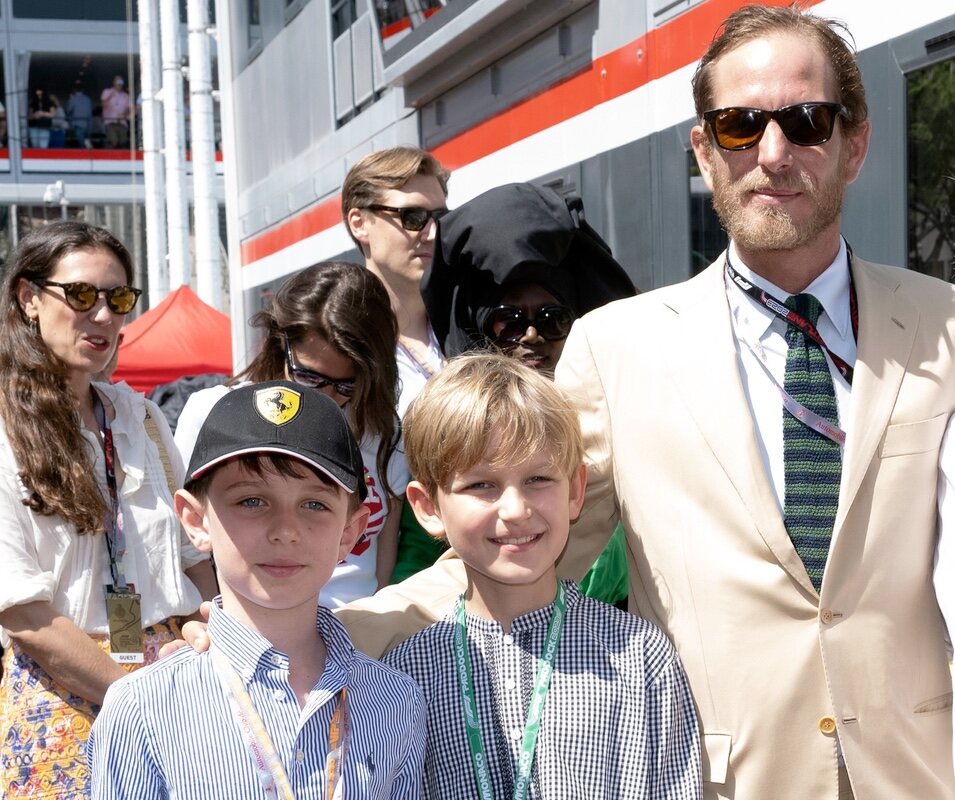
827 725
826 616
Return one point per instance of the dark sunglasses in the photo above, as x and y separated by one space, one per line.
315 380
412 218
510 323
82 296
805 124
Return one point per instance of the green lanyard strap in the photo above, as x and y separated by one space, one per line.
545 670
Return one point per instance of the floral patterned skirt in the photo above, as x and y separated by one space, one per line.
44 728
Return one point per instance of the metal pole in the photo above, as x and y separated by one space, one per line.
202 127
177 202
154 183
240 343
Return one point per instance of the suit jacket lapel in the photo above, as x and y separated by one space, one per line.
708 374
887 327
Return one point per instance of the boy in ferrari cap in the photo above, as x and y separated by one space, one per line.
281 704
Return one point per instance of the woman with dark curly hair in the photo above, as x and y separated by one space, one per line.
94 570
331 327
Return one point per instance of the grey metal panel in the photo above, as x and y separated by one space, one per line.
519 74
343 75
302 194
484 32
362 33
619 24
874 215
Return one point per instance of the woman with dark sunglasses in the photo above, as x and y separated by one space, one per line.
331 328
513 268
94 570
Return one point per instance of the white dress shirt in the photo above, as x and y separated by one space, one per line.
757 327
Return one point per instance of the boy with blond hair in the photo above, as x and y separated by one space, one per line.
281 705
533 690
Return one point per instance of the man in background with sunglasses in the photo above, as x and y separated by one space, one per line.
391 202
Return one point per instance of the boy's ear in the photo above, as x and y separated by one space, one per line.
354 528
578 490
192 515
425 509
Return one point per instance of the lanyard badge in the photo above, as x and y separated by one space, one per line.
522 778
123 604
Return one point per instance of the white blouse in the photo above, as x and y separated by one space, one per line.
43 558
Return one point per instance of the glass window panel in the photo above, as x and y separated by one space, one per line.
931 170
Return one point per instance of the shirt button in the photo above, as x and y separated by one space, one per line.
276 660
516 733
827 725
510 684
278 696
508 639
299 756
246 674
826 616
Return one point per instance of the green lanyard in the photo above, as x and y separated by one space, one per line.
522 780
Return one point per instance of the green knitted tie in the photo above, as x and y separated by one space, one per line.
813 461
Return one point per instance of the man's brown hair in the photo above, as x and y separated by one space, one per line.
755 22
382 170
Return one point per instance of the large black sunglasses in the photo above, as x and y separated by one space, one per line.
510 323
315 380
412 218
805 124
81 296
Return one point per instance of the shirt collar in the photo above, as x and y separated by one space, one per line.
831 289
249 651
540 618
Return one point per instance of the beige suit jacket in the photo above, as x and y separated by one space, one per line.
673 453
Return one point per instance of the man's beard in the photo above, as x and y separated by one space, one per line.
759 228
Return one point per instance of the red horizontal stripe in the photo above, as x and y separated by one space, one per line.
315 220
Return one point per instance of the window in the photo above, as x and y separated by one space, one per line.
931 170
254 24
344 14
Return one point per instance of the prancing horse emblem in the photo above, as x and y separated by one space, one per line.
277 404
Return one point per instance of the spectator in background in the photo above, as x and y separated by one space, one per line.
391 201
79 112
115 102
40 119
58 123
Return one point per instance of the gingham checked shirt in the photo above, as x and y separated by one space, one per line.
618 722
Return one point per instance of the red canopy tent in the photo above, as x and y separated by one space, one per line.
181 336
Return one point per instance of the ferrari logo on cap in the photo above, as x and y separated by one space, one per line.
277 404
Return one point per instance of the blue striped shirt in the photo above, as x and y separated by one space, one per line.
168 730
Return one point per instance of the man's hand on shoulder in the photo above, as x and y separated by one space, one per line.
194 633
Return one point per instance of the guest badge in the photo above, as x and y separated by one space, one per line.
125 618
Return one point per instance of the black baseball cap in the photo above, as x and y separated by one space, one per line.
281 417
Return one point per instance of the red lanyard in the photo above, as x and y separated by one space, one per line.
799 322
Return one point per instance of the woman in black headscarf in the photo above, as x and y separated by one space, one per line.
513 268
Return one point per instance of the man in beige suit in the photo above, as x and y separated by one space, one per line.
801 689
823 678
